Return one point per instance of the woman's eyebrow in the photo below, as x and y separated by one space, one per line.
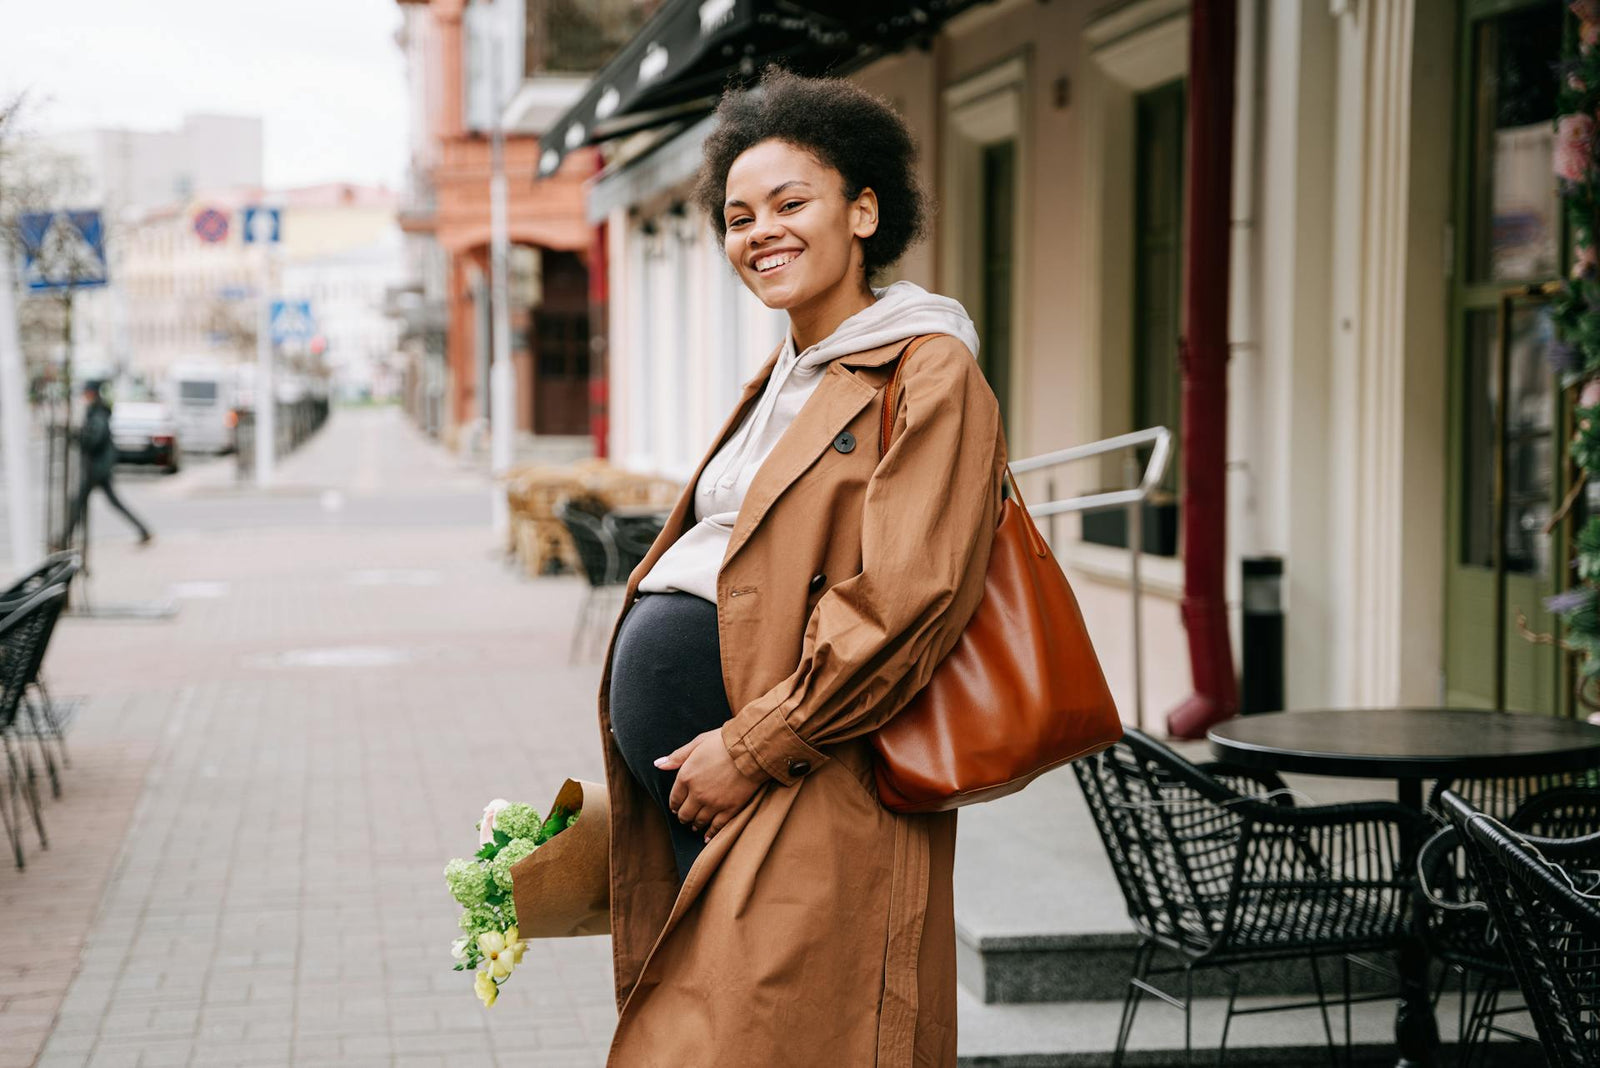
775 191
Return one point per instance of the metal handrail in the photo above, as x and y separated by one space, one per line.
1154 471
1131 499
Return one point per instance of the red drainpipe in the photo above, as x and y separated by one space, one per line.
1203 357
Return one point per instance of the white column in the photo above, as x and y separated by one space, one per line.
1390 353
15 427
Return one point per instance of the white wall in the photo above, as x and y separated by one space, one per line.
685 336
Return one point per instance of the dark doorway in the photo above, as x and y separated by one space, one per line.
561 347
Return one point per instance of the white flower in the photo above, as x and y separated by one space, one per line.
458 948
486 825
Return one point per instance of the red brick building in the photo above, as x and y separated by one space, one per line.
530 58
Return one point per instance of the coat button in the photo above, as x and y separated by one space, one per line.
799 767
845 441
817 582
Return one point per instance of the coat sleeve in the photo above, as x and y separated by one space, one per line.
928 521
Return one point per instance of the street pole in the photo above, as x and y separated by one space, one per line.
66 486
501 409
15 424
265 431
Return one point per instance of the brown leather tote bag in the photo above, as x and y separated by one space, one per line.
1022 691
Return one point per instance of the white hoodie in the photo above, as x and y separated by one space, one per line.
902 311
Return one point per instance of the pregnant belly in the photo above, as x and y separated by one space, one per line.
666 677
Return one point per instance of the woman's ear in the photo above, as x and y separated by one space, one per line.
864 214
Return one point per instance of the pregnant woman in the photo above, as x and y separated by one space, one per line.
766 910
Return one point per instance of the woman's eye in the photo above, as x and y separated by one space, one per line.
791 204
737 222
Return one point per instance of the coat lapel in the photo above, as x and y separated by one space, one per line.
838 399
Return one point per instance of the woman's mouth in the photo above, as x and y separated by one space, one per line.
775 261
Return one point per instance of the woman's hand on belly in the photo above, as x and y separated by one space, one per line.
710 788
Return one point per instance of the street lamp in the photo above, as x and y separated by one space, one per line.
500 375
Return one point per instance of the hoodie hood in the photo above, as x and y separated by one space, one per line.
902 310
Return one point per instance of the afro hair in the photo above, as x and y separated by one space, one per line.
857 134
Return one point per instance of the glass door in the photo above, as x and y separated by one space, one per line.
1507 234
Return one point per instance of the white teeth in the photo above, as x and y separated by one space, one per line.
766 263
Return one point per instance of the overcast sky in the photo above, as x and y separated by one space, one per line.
325 75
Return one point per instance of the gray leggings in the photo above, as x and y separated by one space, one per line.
666 687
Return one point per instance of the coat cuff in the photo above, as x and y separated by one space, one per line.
767 747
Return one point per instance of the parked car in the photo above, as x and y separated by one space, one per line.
144 432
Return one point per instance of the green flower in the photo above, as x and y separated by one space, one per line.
468 881
481 918
513 851
517 821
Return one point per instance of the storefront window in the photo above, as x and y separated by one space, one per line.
1515 225
1528 441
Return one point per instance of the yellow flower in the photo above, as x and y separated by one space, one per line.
501 951
486 988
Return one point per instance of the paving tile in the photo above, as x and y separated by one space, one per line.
247 857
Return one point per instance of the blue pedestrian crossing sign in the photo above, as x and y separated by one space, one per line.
62 249
292 321
263 226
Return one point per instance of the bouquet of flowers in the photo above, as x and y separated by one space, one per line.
482 886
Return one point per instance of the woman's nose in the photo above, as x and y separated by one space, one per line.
764 232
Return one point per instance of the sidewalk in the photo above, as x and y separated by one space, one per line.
265 789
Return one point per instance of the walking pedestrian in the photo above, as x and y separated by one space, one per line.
98 458
766 908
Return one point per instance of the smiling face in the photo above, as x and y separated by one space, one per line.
792 235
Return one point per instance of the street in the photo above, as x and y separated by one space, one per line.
245 867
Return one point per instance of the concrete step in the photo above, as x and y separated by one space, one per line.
1039 916
1083 1035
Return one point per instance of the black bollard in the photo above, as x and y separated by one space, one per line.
1261 689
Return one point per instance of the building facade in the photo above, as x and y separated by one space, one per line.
1391 178
469 66
149 168
186 298
134 177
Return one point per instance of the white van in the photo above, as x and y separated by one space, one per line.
202 395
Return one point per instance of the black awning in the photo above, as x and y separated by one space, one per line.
693 49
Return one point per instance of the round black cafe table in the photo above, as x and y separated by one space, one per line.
1408 745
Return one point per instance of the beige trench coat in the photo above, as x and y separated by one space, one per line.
817 928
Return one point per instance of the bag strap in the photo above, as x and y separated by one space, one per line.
891 391
886 431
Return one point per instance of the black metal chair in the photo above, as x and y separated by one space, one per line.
633 536
1500 797
48 718
1220 869
1455 924
23 634
597 552
56 568
1541 894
